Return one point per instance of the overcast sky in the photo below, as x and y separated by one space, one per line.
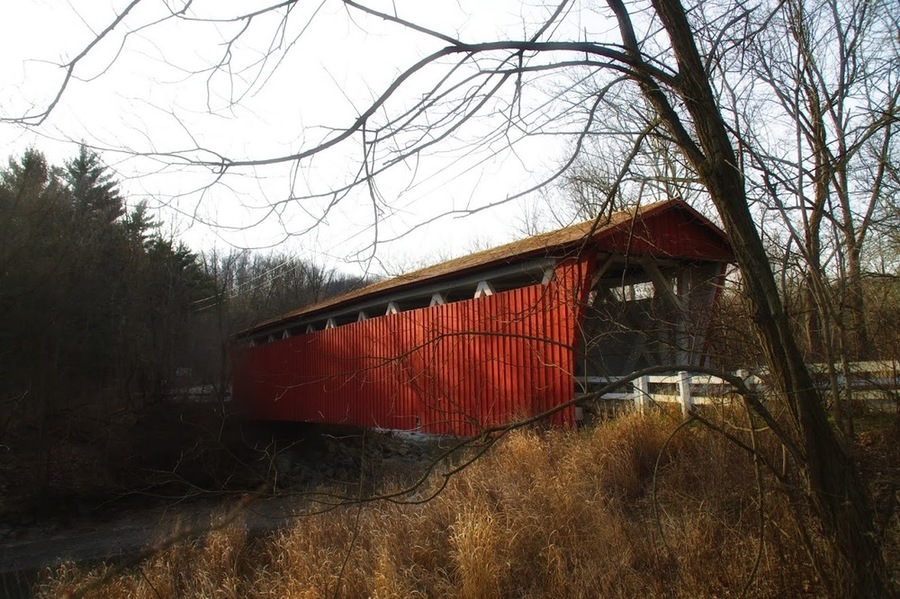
147 88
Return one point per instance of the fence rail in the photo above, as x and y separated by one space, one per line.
875 382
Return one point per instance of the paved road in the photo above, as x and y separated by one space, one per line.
29 550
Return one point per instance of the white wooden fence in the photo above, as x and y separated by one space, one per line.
875 382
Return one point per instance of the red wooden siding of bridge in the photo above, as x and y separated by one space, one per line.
455 368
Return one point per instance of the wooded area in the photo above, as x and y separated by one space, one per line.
104 321
98 307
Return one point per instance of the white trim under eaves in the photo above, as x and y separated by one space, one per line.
484 289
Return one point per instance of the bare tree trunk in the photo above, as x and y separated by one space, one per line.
855 305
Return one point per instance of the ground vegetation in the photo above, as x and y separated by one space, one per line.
635 506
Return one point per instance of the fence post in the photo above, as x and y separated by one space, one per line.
749 379
684 392
642 393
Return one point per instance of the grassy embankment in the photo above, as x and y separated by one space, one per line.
558 514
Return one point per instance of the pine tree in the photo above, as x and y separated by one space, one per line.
95 194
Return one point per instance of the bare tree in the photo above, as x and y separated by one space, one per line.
827 472
688 65
639 164
811 100
827 76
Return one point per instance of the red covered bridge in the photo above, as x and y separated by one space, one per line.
495 335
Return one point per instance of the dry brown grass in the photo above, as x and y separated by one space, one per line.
550 514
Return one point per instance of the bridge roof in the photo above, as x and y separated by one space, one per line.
667 229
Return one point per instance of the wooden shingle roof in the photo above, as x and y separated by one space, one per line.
670 228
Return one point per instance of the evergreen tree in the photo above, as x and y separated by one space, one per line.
95 194
92 299
34 212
